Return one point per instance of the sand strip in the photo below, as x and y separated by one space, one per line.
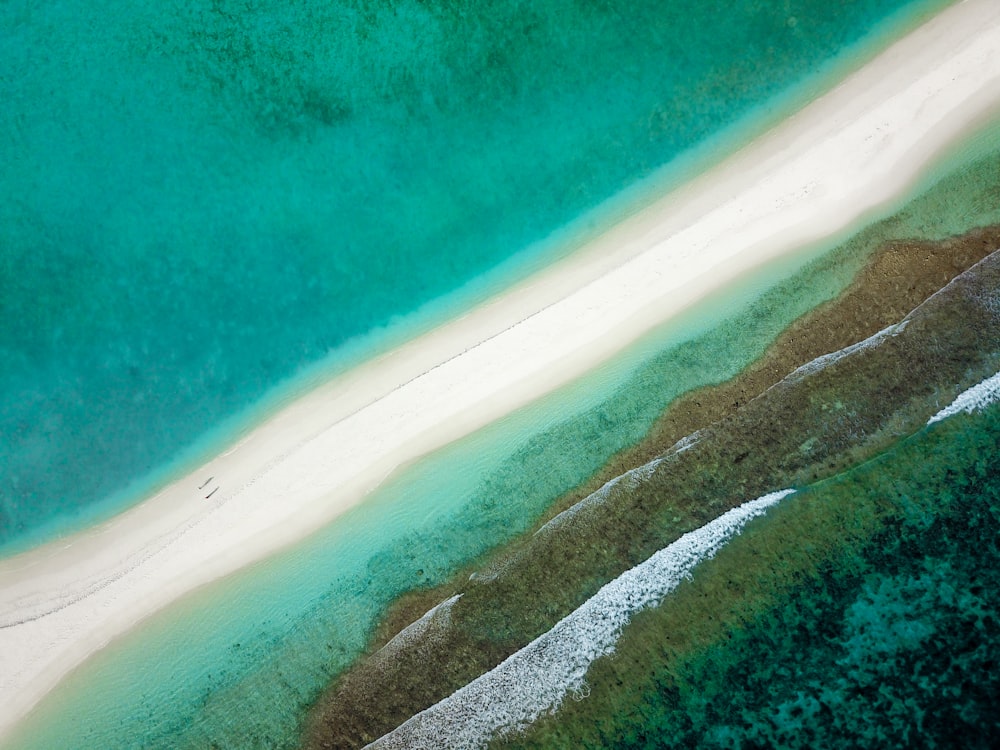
821 170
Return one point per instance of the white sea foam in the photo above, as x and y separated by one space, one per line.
841 157
622 483
685 443
821 363
536 679
425 630
976 398
609 490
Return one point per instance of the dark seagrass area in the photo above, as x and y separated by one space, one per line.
816 423
862 612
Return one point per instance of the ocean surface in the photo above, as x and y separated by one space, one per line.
214 207
210 206
238 664
879 626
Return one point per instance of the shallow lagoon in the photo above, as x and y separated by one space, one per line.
293 620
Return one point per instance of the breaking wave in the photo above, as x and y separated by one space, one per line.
536 679
976 398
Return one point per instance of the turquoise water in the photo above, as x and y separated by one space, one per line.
237 664
204 204
204 200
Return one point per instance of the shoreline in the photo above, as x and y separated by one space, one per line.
800 182
870 302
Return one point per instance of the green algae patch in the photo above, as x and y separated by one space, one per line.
249 678
867 282
863 611
829 415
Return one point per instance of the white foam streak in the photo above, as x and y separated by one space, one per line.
425 630
976 398
610 489
824 361
536 679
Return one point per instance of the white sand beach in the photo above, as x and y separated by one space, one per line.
818 172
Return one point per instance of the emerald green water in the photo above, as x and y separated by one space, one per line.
238 664
879 627
206 201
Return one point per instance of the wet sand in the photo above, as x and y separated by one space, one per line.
818 172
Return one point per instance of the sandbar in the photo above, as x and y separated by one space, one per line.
836 161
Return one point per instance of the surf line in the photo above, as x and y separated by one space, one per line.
536 679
